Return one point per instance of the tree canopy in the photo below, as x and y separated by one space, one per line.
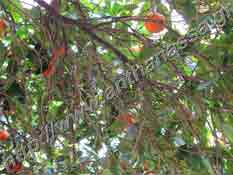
116 87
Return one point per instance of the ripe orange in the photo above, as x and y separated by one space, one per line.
58 52
126 118
15 167
145 166
123 164
48 71
157 25
2 26
4 135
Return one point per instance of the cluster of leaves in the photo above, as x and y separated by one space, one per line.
176 120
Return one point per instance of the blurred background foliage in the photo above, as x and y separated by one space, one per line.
181 113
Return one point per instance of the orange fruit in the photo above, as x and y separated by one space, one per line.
15 167
48 71
126 118
157 25
4 135
123 165
2 26
58 52
145 166
61 51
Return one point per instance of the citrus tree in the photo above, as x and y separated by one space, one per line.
116 87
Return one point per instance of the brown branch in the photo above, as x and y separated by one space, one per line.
138 139
205 58
80 11
125 19
55 4
86 27
160 85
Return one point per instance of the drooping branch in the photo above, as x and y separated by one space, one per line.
86 27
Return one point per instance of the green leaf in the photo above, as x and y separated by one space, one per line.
207 164
204 85
107 172
54 107
228 131
116 8
147 52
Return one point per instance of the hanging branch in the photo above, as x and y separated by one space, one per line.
86 27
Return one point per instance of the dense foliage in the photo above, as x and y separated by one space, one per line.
116 87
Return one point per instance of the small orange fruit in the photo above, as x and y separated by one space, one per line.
157 25
123 164
2 26
48 71
145 166
126 118
15 167
61 51
58 52
4 135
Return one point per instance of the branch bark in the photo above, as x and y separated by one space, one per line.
86 27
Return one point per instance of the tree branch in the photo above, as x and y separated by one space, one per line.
83 26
